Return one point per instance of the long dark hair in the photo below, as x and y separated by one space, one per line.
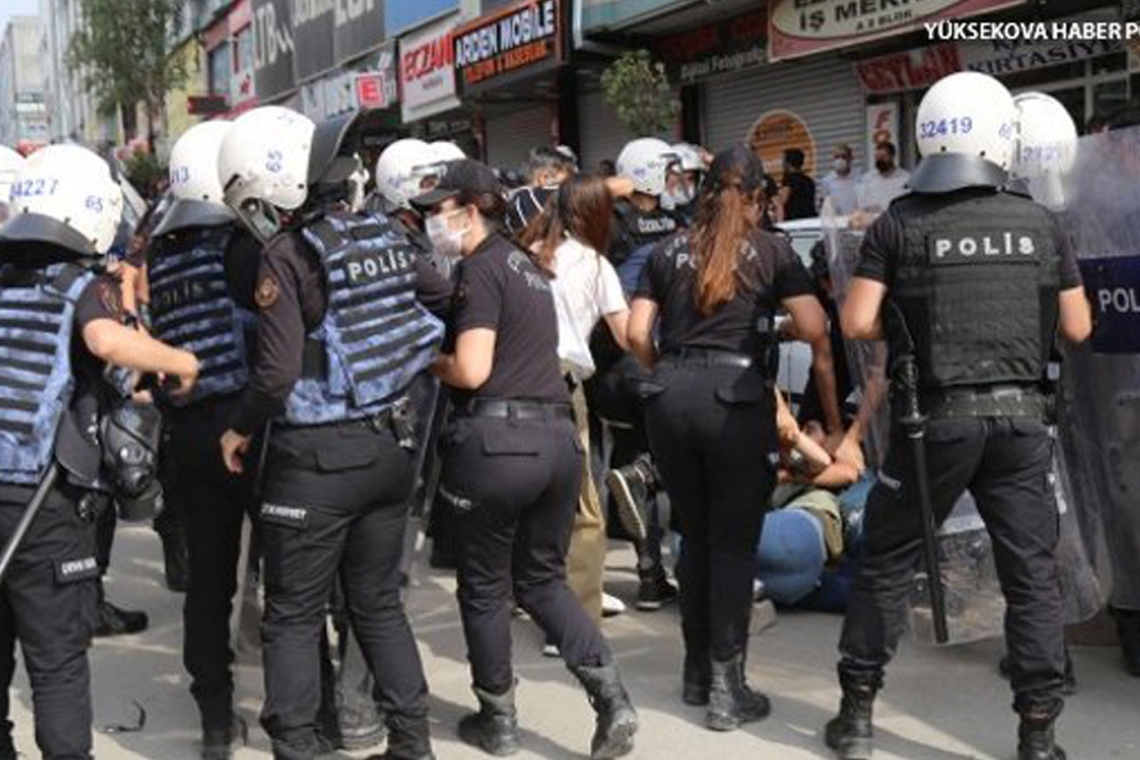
721 227
581 208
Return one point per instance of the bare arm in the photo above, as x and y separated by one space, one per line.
470 366
639 333
810 324
1075 318
860 317
123 346
618 322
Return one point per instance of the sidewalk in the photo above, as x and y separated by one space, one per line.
938 704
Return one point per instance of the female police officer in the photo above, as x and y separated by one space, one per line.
711 413
512 466
341 336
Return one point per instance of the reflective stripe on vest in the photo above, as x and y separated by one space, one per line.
376 335
978 282
37 319
192 309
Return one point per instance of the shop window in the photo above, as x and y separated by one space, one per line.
1107 64
221 69
1110 96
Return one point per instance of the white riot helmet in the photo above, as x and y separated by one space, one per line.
403 170
263 166
965 129
1046 147
647 161
445 150
10 164
65 195
194 186
690 157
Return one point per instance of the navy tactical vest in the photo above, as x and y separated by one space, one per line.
375 336
37 319
192 309
978 282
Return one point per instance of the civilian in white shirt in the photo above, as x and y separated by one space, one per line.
565 240
840 184
882 184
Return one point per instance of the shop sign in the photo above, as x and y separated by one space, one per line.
720 48
1000 57
882 126
313 37
910 69
272 47
427 71
803 27
522 39
370 85
776 131
358 26
329 96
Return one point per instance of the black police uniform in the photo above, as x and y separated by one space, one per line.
339 327
512 469
202 283
48 598
609 392
710 413
976 273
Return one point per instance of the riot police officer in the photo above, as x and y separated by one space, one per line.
641 221
201 269
342 333
61 321
984 280
710 410
512 466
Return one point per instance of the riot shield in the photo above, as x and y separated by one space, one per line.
1100 409
974 605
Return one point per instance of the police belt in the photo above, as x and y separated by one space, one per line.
501 409
380 422
707 357
985 401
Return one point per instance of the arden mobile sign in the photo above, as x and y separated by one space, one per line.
521 40
803 27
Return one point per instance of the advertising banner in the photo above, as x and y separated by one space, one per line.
427 71
520 40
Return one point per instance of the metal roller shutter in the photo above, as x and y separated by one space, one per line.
602 135
823 91
512 134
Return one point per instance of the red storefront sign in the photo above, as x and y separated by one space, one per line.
910 69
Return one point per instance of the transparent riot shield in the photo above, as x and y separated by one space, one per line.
974 603
1100 409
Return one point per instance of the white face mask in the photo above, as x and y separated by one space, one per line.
841 165
445 240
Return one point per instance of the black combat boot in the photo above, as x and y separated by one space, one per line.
1128 628
409 738
731 701
115 621
1035 739
654 590
617 720
696 679
850 732
495 728
220 743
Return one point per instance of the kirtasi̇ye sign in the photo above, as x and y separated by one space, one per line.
520 40
803 27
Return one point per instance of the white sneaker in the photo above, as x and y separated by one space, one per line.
550 650
611 605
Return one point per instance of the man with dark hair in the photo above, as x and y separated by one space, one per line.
547 168
797 190
885 182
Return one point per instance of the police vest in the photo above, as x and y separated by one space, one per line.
192 309
375 336
37 318
978 283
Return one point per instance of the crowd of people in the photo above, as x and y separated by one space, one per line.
583 357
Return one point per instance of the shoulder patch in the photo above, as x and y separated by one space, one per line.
267 291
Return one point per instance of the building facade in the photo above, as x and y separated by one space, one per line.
23 107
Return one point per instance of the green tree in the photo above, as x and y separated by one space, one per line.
639 91
122 50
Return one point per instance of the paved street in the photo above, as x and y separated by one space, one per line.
938 705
